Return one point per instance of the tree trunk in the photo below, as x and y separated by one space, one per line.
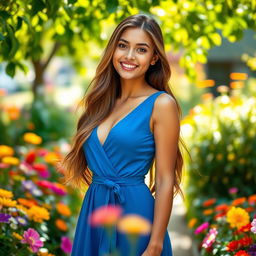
38 83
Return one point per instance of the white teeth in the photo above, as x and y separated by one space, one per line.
128 66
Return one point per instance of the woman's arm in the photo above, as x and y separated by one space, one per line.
166 134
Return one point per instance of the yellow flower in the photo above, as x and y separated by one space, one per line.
16 235
63 209
45 254
231 156
32 138
10 160
134 224
61 225
6 151
38 214
7 202
51 158
22 208
192 222
6 193
237 217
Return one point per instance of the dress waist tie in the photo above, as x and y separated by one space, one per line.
115 183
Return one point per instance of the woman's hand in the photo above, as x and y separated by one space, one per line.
153 250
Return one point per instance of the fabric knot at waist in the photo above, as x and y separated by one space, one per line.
115 183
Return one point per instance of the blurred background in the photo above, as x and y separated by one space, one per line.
49 51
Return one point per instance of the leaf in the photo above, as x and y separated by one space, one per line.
19 23
10 69
37 6
4 15
1 37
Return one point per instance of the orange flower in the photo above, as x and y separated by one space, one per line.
252 199
222 207
205 83
63 209
6 151
13 112
209 202
238 201
134 224
207 212
238 76
26 202
61 225
192 222
237 84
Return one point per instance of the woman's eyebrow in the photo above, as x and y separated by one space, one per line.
144 44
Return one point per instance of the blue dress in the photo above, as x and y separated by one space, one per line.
119 167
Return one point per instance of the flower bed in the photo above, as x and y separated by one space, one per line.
225 227
35 209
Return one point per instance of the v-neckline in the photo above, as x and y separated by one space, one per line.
121 119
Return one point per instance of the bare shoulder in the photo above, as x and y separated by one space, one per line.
165 103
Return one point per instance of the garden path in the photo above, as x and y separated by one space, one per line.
178 230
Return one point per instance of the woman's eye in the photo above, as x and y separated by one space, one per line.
121 45
142 50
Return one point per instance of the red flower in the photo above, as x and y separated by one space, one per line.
30 157
209 202
232 246
245 241
245 228
242 253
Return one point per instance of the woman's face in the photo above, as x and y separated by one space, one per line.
134 54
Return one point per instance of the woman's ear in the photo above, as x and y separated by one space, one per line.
154 59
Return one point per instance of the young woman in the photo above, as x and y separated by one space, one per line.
131 119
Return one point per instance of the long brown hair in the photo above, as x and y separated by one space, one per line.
99 101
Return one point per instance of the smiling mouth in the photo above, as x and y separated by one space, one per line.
128 67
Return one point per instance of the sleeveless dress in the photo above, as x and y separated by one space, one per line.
119 167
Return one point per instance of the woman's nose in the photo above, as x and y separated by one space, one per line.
130 54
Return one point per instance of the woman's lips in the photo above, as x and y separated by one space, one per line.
128 67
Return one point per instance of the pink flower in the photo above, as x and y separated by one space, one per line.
105 215
253 228
233 190
32 238
58 190
66 244
210 238
201 228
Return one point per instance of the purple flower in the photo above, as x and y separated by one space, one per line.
252 250
21 221
66 244
32 238
210 238
4 217
28 184
233 190
201 228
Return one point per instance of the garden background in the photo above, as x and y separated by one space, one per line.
49 51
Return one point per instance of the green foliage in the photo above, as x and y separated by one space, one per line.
50 120
221 137
29 28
